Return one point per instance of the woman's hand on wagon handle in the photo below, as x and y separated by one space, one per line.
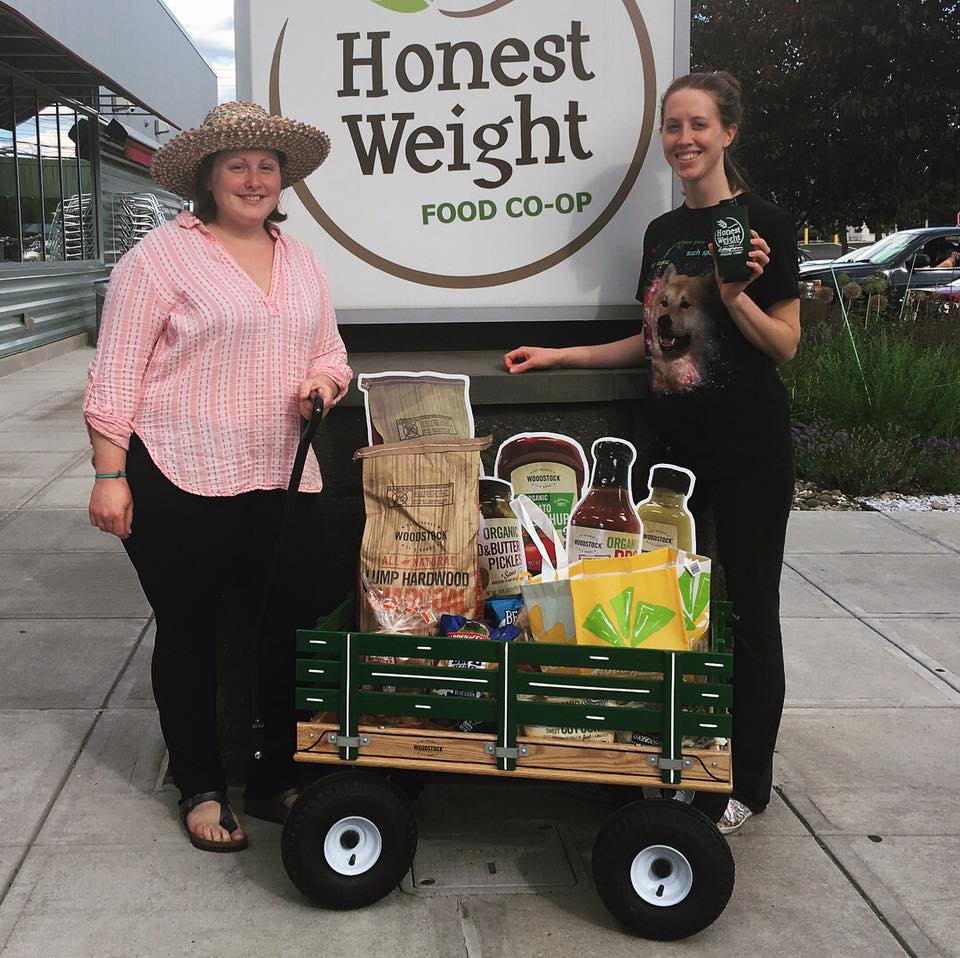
321 384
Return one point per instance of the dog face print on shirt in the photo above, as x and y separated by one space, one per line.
682 309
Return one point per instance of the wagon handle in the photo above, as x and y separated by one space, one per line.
286 525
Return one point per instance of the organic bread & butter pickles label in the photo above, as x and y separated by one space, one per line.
500 551
731 240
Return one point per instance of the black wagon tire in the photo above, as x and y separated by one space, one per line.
411 783
349 840
663 869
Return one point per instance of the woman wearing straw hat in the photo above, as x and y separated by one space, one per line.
216 329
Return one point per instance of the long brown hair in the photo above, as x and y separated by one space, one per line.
205 206
725 90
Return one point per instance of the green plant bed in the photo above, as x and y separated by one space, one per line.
867 460
903 385
890 422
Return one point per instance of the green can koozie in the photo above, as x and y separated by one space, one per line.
731 241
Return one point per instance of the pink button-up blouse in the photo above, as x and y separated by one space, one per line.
204 366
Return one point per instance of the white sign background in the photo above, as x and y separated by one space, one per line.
461 264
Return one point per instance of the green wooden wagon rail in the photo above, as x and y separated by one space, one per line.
680 694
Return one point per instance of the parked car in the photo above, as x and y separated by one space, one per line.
949 293
908 256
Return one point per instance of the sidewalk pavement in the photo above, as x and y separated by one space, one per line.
859 853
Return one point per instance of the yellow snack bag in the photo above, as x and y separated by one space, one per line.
654 600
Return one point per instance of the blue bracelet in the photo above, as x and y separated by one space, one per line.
111 475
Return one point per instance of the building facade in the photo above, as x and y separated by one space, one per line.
88 92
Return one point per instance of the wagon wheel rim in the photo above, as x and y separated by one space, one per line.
352 845
661 875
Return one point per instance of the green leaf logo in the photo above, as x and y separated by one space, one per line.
403 6
630 624
695 594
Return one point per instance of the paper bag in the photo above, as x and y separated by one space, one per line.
422 518
416 407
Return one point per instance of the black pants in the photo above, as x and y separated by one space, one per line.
750 505
189 551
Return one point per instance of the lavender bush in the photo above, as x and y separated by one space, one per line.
866 460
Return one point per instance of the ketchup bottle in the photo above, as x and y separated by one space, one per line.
550 469
605 523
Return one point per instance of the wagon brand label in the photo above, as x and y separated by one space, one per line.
474 143
433 495
425 426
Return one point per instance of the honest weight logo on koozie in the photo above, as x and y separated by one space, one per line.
496 138
729 233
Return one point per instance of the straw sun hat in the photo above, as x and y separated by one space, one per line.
239 126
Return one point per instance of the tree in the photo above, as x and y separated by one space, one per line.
851 107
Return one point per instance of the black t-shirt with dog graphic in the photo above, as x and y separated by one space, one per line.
714 393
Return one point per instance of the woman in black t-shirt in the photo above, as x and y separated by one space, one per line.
718 406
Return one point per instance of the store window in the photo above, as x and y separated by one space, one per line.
9 207
47 202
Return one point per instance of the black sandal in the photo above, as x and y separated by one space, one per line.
272 809
227 821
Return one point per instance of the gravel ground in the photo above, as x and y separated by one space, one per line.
809 498
894 502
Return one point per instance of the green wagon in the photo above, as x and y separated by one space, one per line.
660 865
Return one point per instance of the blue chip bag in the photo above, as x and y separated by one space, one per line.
460 627
503 611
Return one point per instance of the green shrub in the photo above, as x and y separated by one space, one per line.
938 465
860 461
912 388
892 426
867 460
875 285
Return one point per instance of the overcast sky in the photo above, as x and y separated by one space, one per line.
210 25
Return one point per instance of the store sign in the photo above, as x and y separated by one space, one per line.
476 145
